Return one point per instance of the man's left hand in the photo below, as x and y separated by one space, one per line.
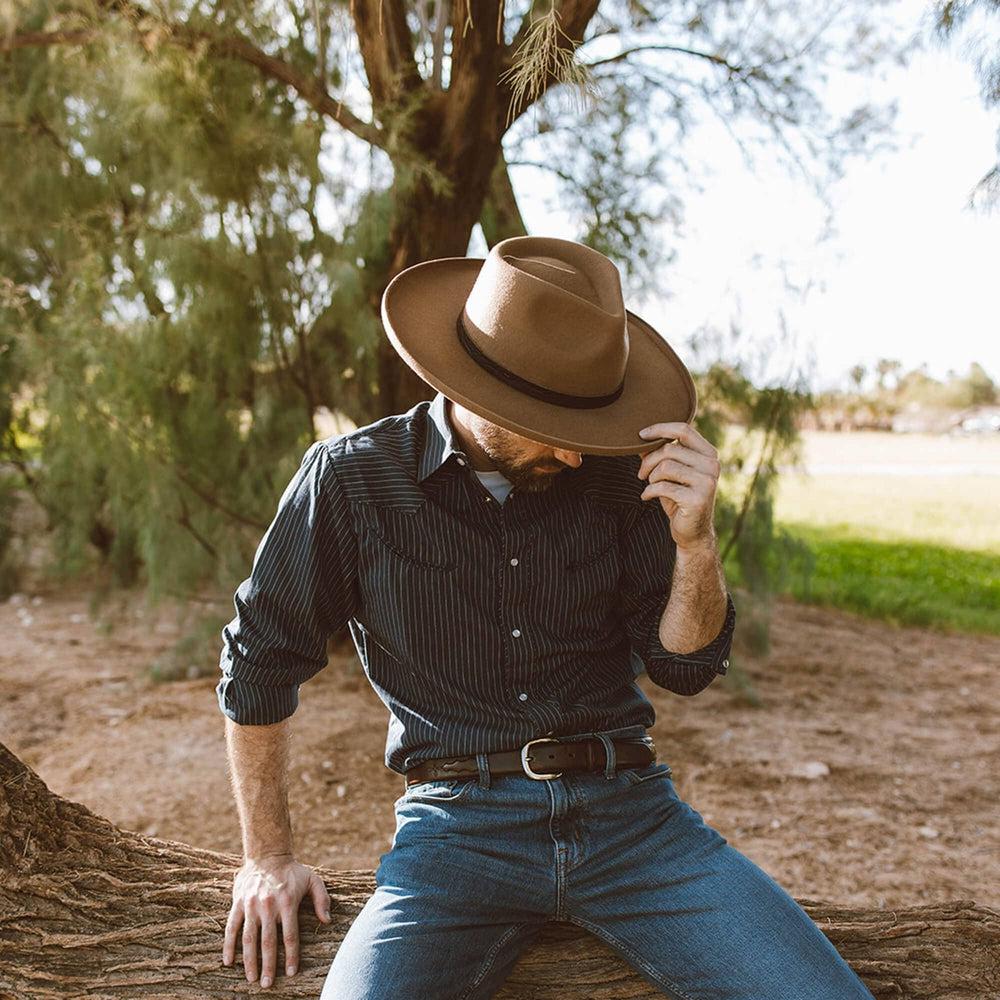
684 475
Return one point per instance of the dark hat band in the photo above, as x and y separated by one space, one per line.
530 388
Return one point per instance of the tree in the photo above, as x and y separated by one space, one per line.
953 19
759 556
886 367
982 389
93 910
202 206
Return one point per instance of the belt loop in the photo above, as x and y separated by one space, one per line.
609 754
483 763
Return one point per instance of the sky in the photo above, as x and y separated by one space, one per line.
910 274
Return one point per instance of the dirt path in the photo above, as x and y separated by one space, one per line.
906 720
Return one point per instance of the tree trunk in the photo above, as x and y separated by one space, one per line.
428 224
89 910
434 226
456 132
501 217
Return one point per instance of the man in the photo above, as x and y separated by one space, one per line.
505 558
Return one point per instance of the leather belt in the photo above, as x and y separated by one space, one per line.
544 758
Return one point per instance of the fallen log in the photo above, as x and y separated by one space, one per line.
91 910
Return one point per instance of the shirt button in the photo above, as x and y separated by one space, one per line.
725 663
461 461
516 632
513 562
523 696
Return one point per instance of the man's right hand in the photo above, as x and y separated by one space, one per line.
265 891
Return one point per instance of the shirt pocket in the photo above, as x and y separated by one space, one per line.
411 579
404 537
590 577
600 547
592 542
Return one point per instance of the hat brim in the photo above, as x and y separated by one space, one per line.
419 309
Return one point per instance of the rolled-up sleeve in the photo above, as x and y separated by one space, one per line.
648 556
300 591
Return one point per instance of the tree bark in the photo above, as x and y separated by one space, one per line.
501 217
90 910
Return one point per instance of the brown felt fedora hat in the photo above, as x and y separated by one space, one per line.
536 338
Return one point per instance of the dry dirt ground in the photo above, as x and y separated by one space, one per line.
906 720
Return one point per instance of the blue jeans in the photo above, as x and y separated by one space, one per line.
477 865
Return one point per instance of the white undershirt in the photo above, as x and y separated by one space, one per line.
497 483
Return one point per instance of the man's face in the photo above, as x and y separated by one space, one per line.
529 465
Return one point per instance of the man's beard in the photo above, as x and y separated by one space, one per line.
525 478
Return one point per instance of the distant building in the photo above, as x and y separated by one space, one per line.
981 420
917 419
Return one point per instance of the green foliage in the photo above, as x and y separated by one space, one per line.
913 583
9 568
163 266
757 554
956 392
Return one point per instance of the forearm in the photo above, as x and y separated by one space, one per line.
696 610
258 771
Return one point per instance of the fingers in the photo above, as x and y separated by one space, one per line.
677 472
680 455
320 898
683 432
290 936
268 947
260 916
233 924
672 491
251 928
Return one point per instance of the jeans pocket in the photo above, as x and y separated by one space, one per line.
437 790
637 775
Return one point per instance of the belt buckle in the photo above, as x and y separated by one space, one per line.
527 767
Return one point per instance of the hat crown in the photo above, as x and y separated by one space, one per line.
550 312
557 272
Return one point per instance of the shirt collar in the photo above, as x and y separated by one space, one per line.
440 442
439 439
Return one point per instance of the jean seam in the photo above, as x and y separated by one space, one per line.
490 959
410 795
608 937
634 780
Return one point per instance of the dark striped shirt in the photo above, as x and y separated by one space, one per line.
480 625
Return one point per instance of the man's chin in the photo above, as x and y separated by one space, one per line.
537 484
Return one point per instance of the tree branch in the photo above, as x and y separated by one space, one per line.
86 906
308 88
476 58
386 49
710 56
550 167
442 13
574 16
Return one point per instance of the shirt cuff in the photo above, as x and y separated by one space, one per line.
713 655
251 704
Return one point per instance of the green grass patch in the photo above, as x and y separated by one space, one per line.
907 582
959 512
